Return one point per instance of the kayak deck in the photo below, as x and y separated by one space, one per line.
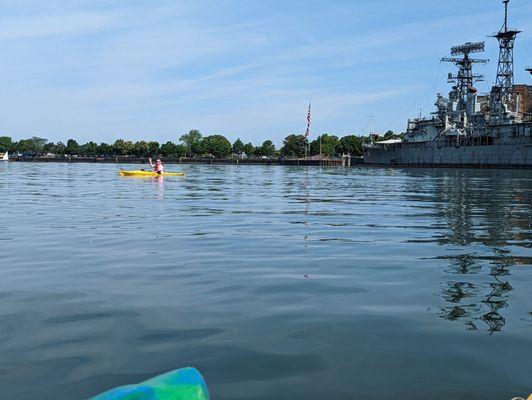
148 173
181 384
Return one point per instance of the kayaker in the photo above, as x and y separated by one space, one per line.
158 166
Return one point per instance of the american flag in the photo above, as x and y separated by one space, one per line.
309 120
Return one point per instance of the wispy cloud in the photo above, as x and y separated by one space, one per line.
44 26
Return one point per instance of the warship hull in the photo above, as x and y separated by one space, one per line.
504 155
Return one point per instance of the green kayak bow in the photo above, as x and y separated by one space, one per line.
181 384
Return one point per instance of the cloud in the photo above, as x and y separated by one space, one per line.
45 26
163 66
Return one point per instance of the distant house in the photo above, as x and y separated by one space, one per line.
4 156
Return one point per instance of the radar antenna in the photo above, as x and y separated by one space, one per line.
465 78
505 69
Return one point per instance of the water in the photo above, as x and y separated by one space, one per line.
276 282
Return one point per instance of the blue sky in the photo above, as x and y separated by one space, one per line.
154 69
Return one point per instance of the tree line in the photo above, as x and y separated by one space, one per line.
193 144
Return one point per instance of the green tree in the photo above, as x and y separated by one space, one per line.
6 144
140 149
172 149
20 146
197 148
351 144
119 147
34 145
60 148
329 145
191 138
89 149
217 145
38 143
123 148
389 135
49 147
238 147
168 149
249 150
267 149
294 146
72 147
180 150
105 149
153 148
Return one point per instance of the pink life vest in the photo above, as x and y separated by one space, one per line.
159 167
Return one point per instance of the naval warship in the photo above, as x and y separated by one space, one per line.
468 128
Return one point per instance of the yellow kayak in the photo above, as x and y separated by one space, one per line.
148 173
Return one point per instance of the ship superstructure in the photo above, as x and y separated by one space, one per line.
468 129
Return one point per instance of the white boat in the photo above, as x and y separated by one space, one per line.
4 156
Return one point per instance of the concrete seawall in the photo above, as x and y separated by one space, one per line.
171 160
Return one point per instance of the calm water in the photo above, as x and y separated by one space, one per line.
276 282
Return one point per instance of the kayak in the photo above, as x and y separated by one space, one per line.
148 173
181 384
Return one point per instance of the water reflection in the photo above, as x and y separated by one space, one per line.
160 187
471 302
491 213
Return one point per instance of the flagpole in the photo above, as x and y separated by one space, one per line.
307 134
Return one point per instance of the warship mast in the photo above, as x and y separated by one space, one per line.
465 78
505 70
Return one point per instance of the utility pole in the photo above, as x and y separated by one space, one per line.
370 134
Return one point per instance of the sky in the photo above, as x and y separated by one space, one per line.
154 69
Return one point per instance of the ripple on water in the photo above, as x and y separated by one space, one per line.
278 283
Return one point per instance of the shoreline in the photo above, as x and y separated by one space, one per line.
214 161
346 162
